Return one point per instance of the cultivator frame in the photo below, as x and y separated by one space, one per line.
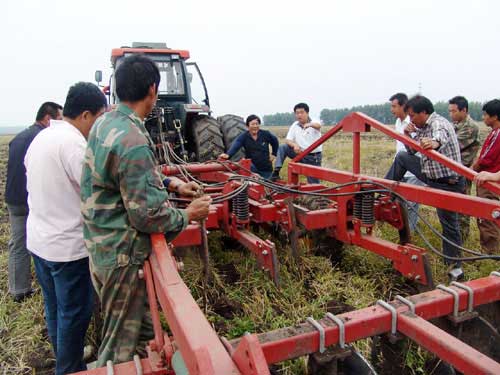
192 336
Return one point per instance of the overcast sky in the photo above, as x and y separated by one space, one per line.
258 56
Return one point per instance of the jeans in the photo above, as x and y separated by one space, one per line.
412 206
68 297
19 256
263 174
285 151
449 220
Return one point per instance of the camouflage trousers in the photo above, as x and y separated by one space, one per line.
127 324
489 233
465 219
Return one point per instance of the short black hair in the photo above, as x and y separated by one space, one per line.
400 97
460 102
83 96
492 108
48 108
420 104
134 76
304 106
251 118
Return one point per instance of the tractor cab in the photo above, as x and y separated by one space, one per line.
180 124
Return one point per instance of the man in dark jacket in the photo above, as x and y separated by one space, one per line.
256 144
16 199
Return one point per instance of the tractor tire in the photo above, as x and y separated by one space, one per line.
232 126
207 139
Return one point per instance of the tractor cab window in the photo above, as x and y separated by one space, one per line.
171 81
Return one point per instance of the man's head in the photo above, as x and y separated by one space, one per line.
398 105
48 111
458 107
84 104
253 124
419 109
137 79
301 111
491 113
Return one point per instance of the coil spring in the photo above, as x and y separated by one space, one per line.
241 206
364 208
367 208
357 209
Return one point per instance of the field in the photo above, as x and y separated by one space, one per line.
241 297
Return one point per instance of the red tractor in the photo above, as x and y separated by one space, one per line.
181 123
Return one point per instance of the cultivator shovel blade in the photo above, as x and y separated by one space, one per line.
336 361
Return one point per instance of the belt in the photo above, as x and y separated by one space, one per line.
450 180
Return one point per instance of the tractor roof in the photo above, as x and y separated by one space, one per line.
118 52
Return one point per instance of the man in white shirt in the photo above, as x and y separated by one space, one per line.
55 225
302 134
398 109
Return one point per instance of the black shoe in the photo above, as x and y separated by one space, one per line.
21 297
456 274
275 176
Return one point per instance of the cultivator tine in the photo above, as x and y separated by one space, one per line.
205 256
294 232
405 232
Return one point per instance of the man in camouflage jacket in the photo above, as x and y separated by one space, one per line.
468 138
124 199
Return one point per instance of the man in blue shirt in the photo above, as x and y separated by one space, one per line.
16 198
256 143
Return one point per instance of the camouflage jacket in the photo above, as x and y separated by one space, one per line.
468 139
122 192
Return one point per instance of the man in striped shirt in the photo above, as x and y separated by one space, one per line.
437 133
489 161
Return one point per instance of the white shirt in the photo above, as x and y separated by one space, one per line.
304 137
54 230
400 128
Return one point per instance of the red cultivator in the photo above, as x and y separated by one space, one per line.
347 212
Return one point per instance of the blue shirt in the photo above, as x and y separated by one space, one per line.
15 188
256 150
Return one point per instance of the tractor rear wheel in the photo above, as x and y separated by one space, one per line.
207 138
232 126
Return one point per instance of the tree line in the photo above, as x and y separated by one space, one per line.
380 112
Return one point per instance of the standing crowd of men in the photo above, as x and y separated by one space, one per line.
85 193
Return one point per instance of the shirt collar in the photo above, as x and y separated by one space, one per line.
430 118
126 110
54 124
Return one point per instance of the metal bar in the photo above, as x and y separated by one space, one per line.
465 204
330 133
153 307
296 341
447 347
126 368
356 152
449 163
408 259
172 170
200 346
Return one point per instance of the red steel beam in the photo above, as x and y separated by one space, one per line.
357 120
171 170
465 204
198 343
447 347
292 342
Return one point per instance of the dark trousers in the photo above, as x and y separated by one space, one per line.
19 256
263 174
285 151
68 297
449 220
